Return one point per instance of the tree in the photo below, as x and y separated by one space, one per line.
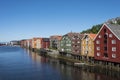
94 29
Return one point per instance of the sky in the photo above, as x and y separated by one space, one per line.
25 19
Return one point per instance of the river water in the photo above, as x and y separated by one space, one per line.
19 64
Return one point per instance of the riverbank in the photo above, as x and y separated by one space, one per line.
78 63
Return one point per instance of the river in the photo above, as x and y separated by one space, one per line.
17 63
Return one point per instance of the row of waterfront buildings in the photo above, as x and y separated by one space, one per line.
102 47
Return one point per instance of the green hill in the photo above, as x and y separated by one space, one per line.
94 29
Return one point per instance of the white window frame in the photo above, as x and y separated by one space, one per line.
78 41
113 55
97 48
97 41
98 54
68 44
110 35
114 49
62 49
99 36
113 41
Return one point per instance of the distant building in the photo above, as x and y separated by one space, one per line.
29 43
70 44
15 42
55 41
38 43
34 43
45 43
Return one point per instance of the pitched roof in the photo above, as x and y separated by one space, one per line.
92 35
72 34
45 39
115 28
58 37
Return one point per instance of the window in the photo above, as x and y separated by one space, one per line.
98 48
87 39
86 42
105 36
105 48
62 49
99 36
97 42
110 35
105 55
69 41
83 47
113 41
90 42
113 48
75 45
98 53
104 30
90 48
75 50
68 49
73 38
113 55
105 41
68 44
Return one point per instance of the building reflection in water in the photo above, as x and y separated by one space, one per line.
69 72
36 57
83 73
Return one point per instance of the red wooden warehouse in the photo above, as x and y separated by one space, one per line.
107 43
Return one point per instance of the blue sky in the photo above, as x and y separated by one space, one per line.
22 19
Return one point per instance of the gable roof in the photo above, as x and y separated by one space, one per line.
58 37
114 28
73 34
92 35
45 39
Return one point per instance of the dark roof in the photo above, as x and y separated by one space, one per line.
46 39
57 37
115 28
73 34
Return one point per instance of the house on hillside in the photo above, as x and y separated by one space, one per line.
107 44
87 47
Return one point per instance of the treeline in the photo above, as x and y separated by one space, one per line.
94 29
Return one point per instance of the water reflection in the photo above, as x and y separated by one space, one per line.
83 72
22 64
36 58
